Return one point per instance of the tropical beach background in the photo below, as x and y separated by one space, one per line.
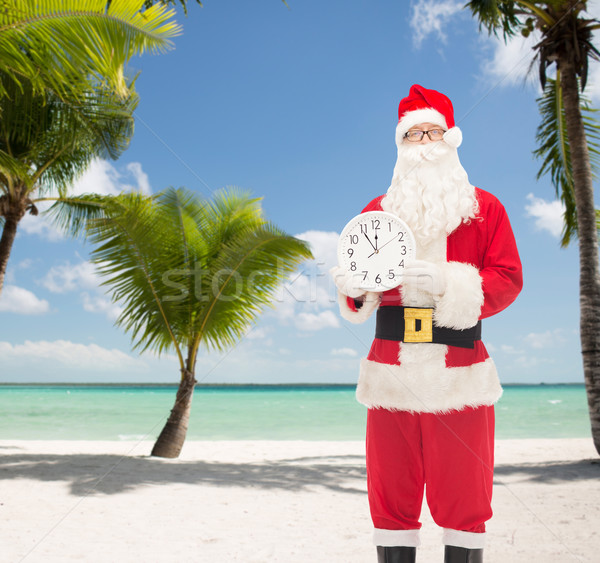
294 102
297 104
278 412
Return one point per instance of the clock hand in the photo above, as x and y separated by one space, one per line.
373 245
388 242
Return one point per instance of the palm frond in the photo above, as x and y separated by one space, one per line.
34 123
554 150
251 257
13 172
241 282
46 143
496 16
64 44
189 271
130 256
73 214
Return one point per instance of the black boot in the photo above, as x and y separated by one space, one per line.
397 554
455 554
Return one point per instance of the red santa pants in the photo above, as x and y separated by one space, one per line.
451 454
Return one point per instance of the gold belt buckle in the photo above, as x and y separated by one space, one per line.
424 331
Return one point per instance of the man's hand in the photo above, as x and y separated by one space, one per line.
424 276
346 283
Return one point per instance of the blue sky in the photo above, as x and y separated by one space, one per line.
298 106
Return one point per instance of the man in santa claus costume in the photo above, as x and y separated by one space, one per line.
430 423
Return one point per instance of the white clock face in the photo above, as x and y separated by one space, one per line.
374 247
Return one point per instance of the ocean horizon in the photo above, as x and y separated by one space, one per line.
132 411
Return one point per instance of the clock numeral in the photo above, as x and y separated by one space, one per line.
403 251
401 239
366 273
389 227
401 265
377 278
375 224
350 251
391 275
353 239
353 266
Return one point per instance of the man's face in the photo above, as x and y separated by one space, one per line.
435 131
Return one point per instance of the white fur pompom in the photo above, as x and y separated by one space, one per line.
453 137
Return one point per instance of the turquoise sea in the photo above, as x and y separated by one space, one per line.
80 412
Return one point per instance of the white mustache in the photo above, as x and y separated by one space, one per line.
429 152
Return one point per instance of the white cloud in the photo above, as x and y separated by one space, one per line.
305 298
548 215
79 278
511 62
101 177
142 183
312 322
429 17
40 226
22 301
257 333
72 354
14 267
99 304
344 352
508 349
71 277
548 339
323 245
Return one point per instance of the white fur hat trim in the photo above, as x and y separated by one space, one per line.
453 136
427 115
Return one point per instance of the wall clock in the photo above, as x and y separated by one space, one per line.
374 247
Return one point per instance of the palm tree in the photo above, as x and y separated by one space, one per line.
67 45
555 152
189 272
64 96
46 142
566 42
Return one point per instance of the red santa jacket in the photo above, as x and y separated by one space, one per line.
483 276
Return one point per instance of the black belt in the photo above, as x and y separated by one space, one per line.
415 324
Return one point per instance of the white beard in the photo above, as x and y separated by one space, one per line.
430 190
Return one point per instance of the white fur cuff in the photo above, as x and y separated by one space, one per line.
460 306
371 303
393 538
458 538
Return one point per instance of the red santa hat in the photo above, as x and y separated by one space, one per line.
428 106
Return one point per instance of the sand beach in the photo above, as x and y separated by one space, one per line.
265 501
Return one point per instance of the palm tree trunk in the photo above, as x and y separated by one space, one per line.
9 233
171 439
589 276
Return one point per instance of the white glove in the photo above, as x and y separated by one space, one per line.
424 276
346 282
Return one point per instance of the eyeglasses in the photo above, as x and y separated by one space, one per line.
415 136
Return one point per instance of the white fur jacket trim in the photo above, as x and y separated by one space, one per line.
371 304
460 306
426 387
